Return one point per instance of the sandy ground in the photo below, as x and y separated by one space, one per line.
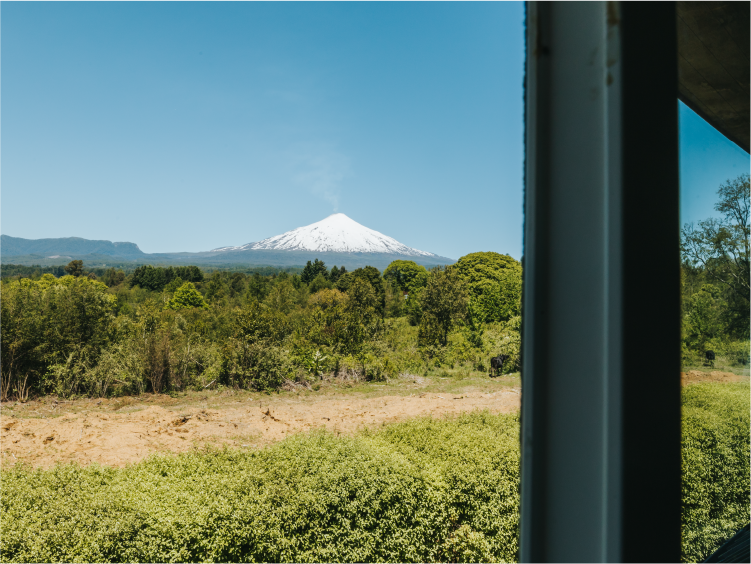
693 376
117 439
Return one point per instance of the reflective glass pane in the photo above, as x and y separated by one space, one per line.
715 336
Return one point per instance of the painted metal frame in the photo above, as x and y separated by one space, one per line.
601 318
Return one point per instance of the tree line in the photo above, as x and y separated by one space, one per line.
715 279
164 329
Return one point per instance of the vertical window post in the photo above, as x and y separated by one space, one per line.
601 336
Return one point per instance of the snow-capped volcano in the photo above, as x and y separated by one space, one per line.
337 233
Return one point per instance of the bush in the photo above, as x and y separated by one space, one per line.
426 490
495 281
257 366
185 297
715 466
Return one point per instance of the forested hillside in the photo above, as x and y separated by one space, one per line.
159 329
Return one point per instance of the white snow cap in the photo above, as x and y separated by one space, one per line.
337 233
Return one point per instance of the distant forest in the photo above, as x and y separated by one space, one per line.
35 271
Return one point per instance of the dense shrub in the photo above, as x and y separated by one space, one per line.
715 466
495 281
426 490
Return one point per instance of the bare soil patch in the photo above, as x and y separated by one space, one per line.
125 430
694 376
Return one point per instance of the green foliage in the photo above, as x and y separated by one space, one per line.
52 327
75 268
362 299
407 274
336 273
444 303
282 297
186 296
426 490
311 270
258 287
318 283
505 338
258 324
715 280
149 277
439 490
173 286
339 321
75 336
396 305
715 448
221 286
33 272
315 363
495 281
156 278
254 365
702 321
720 249
372 276
113 277
475 323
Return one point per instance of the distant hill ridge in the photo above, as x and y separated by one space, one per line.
16 246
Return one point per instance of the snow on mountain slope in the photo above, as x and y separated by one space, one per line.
337 233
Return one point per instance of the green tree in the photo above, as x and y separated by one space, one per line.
444 303
149 277
319 283
22 342
258 287
256 323
373 276
78 328
75 268
312 270
362 318
362 299
721 248
174 285
495 281
474 323
703 316
409 278
186 273
113 277
185 297
336 273
282 296
407 274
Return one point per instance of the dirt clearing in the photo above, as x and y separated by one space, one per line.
694 376
101 431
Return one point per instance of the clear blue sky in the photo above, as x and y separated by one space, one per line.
707 159
190 126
